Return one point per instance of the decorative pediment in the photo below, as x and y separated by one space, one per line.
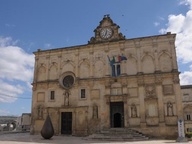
107 31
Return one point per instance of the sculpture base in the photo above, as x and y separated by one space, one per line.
182 139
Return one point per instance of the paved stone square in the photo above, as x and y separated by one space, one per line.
22 138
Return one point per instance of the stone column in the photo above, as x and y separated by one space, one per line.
59 64
141 92
178 97
155 46
58 121
105 113
77 63
173 54
107 64
126 113
92 65
160 103
47 67
138 58
35 69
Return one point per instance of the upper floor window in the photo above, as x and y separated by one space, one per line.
115 63
52 95
116 69
83 93
188 116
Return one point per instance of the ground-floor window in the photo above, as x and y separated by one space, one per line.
52 95
83 93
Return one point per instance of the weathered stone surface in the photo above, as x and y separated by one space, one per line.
145 86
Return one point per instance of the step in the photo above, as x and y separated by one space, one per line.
119 134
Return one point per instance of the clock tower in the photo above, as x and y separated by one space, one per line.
107 31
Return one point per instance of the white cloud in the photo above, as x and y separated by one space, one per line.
186 2
186 78
156 23
16 66
181 24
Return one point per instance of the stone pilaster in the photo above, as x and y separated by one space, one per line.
77 63
160 103
141 92
47 67
138 57
173 55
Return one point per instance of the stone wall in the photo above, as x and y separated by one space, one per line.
148 85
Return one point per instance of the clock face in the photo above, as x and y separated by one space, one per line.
106 33
68 81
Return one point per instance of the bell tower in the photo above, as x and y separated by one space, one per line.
107 31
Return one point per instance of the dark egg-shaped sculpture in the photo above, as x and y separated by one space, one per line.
47 131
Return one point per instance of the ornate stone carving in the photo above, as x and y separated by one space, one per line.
176 79
34 87
42 86
108 25
124 82
133 111
66 97
158 79
95 112
150 90
169 109
140 81
40 109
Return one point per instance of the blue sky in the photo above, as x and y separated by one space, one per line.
26 26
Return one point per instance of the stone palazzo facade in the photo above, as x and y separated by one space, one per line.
111 82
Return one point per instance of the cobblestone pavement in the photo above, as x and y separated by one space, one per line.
22 138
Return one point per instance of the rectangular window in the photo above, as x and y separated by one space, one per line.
82 93
52 96
116 91
116 69
188 117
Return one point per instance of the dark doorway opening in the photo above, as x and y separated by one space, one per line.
117 114
66 123
117 120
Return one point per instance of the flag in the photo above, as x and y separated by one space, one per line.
119 58
111 61
123 57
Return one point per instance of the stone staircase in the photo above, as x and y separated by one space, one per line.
119 134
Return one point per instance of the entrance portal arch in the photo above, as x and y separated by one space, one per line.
117 114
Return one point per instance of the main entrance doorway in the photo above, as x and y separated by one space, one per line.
66 123
117 114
